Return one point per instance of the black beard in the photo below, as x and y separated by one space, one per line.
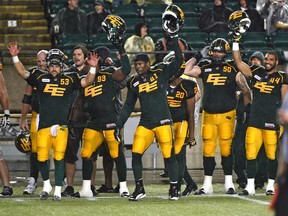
268 70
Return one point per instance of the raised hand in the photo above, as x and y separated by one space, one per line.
13 48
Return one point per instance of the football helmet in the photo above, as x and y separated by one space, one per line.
115 27
55 57
220 45
238 22
172 19
23 142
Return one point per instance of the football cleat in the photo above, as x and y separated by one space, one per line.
189 189
173 193
105 189
94 191
115 27
139 193
231 191
172 19
269 192
246 193
202 191
7 192
31 187
69 190
83 194
44 195
23 142
56 198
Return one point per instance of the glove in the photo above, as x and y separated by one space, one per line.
117 134
246 113
191 142
236 36
171 26
5 122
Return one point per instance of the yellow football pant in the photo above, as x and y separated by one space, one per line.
255 137
144 137
217 127
92 139
45 141
180 133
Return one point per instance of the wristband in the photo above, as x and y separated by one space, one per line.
92 70
15 59
7 112
235 46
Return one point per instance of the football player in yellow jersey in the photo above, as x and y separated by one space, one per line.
30 99
55 90
269 86
220 78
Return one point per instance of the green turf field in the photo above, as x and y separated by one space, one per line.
155 203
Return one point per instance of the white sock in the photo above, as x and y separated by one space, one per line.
86 185
123 184
250 186
57 191
207 182
228 182
270 185
47 186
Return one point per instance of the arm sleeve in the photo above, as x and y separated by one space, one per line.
174 66
126 67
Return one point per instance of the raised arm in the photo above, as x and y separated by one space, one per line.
121 73
14 50
242 66
93 63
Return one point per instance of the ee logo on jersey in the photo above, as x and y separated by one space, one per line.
216 79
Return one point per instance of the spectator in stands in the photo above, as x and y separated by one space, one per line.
276 14
95 18
165 44
215 19
259 4
257 22
140 42
70 20
5 123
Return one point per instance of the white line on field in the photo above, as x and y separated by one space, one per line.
253 200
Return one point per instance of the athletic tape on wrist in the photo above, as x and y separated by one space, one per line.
92 70
235 46
15 59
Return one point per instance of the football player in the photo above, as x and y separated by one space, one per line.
182 96
5 122
149 85
100 98
55 90
220 78
268 86
30 99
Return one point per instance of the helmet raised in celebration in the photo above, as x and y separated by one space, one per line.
172 19
115 27
239 22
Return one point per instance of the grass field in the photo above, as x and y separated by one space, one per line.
155 203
